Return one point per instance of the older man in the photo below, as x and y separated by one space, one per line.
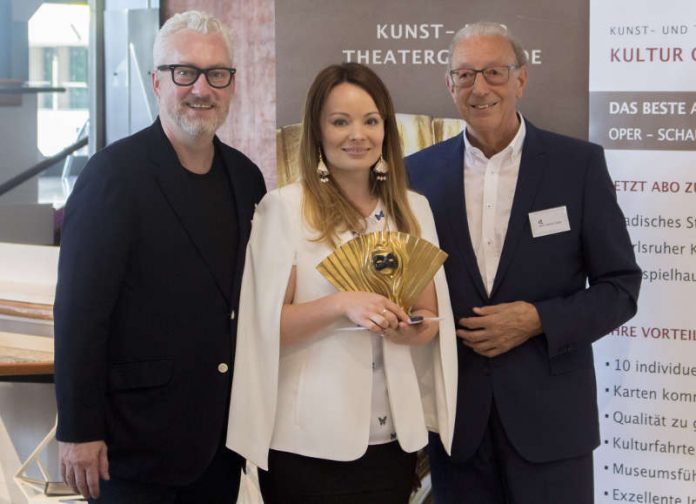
150 268
540 265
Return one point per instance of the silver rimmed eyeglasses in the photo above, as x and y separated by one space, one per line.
494 75
187 75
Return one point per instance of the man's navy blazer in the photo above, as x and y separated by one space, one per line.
143 326
545 389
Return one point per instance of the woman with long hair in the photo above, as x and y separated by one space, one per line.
329 414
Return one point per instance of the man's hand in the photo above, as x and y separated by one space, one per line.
82 465
499 328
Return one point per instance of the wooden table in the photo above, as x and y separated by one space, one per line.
23 356
28 276
22 309
16 361
19 361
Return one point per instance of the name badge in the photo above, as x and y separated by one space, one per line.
549 221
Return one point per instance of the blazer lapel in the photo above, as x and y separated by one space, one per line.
174 184
245 204
532 167
453 200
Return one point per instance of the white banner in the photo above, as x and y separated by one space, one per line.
643 110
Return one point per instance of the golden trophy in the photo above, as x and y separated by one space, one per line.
396 265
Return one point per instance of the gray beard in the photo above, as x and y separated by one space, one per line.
197 127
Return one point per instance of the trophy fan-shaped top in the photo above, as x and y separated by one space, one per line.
393 264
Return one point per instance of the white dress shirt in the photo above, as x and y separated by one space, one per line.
489 188
381 419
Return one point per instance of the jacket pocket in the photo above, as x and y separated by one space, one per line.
140 374
578 358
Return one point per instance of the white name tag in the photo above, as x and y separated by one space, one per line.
549 221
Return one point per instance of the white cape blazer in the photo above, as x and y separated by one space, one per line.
314 398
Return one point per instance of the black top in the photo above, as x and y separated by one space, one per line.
214 214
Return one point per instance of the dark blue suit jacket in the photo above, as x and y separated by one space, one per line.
545 389
142 321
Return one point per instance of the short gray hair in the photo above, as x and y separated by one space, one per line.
488 29
192 20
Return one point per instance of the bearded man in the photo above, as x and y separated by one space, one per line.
150 269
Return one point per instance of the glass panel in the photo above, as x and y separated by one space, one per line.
43 123
61 34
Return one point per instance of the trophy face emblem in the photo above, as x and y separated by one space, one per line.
384 261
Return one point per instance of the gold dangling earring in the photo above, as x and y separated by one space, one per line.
381 169
322 170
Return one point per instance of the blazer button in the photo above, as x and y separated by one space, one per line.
223 368
233 315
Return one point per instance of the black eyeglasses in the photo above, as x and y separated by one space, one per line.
494 75
187 75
